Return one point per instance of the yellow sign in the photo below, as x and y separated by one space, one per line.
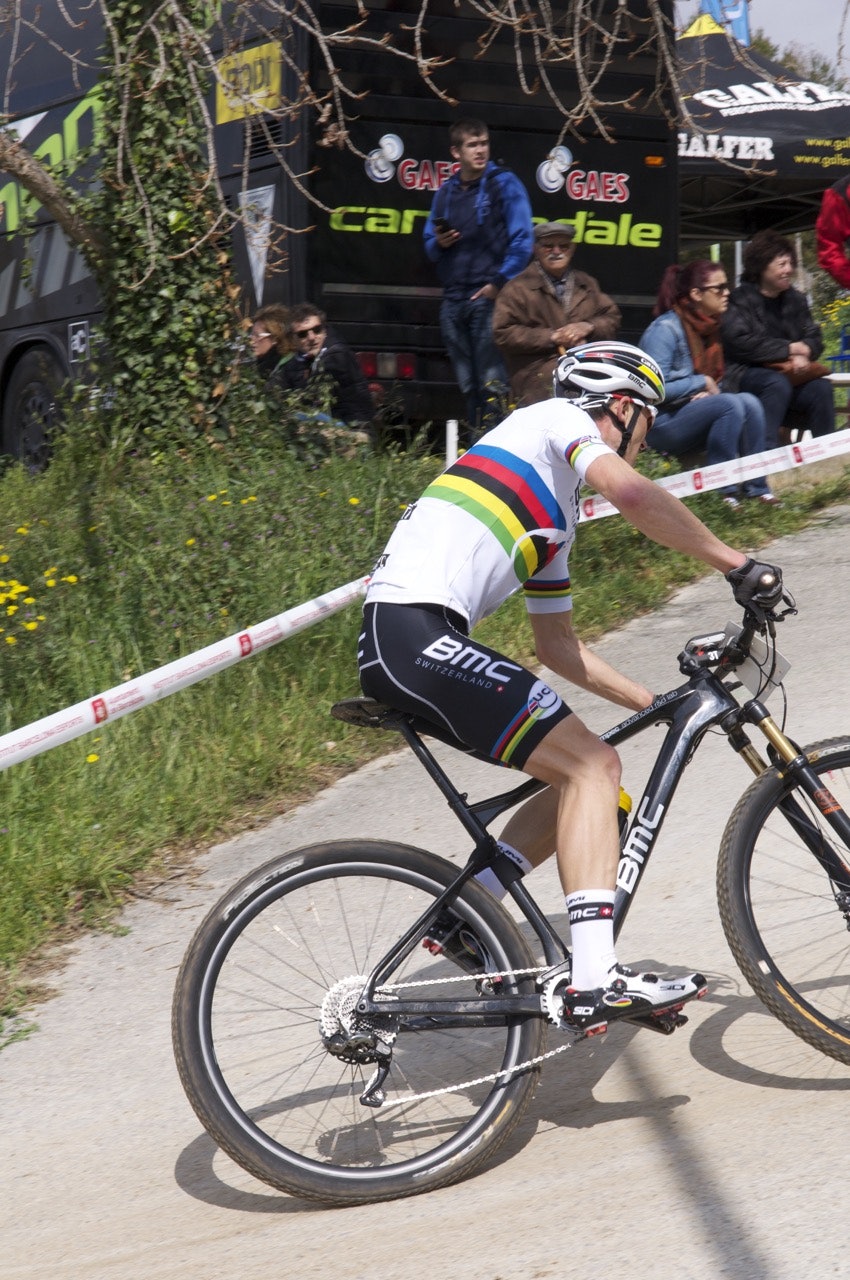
248 83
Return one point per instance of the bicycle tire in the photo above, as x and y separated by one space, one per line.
251 1058
779 913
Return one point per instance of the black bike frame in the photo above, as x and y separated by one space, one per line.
689 712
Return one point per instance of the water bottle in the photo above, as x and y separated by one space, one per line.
624 808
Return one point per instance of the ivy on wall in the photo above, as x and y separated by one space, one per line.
165 275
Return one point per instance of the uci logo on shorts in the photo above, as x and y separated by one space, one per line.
457 654
542 701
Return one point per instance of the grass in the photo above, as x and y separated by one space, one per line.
112 566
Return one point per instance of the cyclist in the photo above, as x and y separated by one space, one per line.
504 516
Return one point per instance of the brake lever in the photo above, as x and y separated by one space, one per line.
788 600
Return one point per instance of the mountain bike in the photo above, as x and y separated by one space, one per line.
334 1057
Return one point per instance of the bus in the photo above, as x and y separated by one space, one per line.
355 251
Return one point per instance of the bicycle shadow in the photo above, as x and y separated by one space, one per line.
743 1042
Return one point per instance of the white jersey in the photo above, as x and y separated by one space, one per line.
503 517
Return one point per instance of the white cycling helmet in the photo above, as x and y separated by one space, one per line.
594 372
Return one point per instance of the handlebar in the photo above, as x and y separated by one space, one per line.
727 650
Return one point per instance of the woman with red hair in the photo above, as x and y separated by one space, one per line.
684 339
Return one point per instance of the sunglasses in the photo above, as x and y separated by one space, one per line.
305 333
716 288
649 409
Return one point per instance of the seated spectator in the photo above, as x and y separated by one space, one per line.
833 231
270 341
769 325
544 310
684 339
319 357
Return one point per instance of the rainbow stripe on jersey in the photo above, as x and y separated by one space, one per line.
507 495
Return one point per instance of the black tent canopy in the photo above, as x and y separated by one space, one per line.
761 145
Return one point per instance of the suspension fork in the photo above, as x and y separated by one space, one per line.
795 766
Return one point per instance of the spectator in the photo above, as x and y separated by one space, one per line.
321 357
545 309
479 234
769 325
684 339
270 341
833 231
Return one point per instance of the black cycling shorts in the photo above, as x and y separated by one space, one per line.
419 658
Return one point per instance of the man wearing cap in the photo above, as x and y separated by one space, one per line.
547 308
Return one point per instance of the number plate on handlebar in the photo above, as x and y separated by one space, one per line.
765 668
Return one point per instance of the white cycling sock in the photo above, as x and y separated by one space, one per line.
591 913
488 877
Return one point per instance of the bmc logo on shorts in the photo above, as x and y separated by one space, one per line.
457 654
542 701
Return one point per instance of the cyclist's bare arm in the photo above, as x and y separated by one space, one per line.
659 515
560 649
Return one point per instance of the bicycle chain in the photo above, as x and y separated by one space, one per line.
495 1075
466 1084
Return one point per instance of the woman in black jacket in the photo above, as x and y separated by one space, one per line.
769 323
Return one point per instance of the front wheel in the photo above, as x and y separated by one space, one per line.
275 971
787 924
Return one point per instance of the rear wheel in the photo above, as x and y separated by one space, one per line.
787 924
30 413
276 970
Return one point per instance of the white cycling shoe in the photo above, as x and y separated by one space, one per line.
639 996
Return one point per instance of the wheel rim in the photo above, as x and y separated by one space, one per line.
259 1030
803 935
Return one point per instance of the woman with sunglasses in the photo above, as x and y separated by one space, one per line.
697 413
270 343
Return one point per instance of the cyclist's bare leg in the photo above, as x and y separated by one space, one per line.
584 774
532 828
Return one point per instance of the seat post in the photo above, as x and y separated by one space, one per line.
484 841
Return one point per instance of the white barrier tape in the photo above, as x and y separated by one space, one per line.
705 479
73 722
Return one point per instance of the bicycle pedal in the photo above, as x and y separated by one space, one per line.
665 1022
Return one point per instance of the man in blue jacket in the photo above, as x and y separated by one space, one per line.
479 233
